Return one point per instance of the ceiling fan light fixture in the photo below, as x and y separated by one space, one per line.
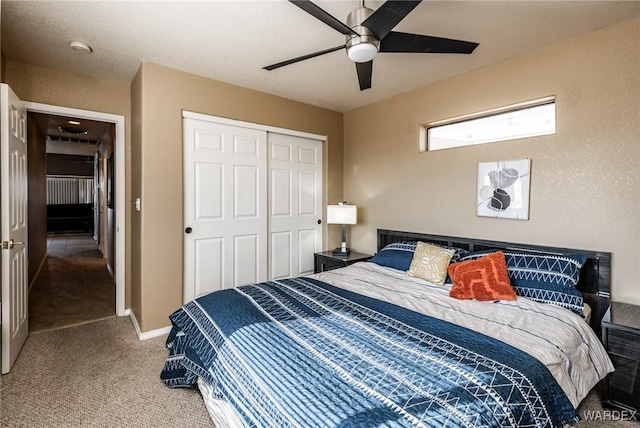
368 32
362 52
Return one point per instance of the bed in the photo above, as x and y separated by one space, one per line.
370 345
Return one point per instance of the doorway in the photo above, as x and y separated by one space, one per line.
113 196
17 187
68 184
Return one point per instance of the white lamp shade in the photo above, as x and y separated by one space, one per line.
342 214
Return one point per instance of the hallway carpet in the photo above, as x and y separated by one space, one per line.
73 286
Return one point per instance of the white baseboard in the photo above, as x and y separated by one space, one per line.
110 271
148 334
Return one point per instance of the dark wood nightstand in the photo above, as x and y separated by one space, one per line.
325 260
621 338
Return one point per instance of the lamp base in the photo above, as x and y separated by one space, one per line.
339 252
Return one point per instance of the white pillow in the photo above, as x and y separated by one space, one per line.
430 262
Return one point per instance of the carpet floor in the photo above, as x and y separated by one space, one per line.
101 375
95 375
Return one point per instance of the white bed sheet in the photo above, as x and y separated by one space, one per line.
555 336
221 412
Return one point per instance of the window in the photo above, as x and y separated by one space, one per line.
522 120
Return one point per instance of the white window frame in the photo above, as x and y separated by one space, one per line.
490 119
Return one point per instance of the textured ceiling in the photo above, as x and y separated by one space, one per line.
231 41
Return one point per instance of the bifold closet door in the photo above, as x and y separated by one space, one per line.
225 206
295 204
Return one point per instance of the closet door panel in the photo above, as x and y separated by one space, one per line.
281 244
225 206
295 165
208 190
280 193
246 254
246 192
307 242
252 204
209 265
307 188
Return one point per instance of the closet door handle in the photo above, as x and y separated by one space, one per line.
188 230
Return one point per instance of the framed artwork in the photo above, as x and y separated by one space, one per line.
503 189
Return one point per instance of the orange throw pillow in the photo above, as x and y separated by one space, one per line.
483 279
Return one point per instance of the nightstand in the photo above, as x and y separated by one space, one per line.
325 260
621 338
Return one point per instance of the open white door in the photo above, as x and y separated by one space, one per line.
13 206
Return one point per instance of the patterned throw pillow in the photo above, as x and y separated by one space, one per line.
485 278
397 255
430 262
545 278
458 253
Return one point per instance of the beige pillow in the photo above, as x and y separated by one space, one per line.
430 262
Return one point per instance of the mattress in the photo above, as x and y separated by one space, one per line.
554 336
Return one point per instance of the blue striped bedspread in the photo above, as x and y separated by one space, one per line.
300 352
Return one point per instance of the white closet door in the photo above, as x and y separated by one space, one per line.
225 206
295 204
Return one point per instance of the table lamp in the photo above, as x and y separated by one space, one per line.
343 214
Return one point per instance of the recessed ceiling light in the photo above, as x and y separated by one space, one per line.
74 122
81 47
74 131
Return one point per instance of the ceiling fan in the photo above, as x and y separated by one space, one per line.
368 32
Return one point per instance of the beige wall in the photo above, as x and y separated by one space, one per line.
585 190
136 179
159 95
42 85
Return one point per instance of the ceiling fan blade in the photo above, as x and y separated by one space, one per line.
322 15
302 58
364 69
387 16
417 43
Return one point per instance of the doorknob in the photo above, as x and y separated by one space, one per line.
10 244
188 230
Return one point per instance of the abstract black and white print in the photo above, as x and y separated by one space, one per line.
503 189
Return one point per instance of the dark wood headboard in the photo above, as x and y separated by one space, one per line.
595 276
